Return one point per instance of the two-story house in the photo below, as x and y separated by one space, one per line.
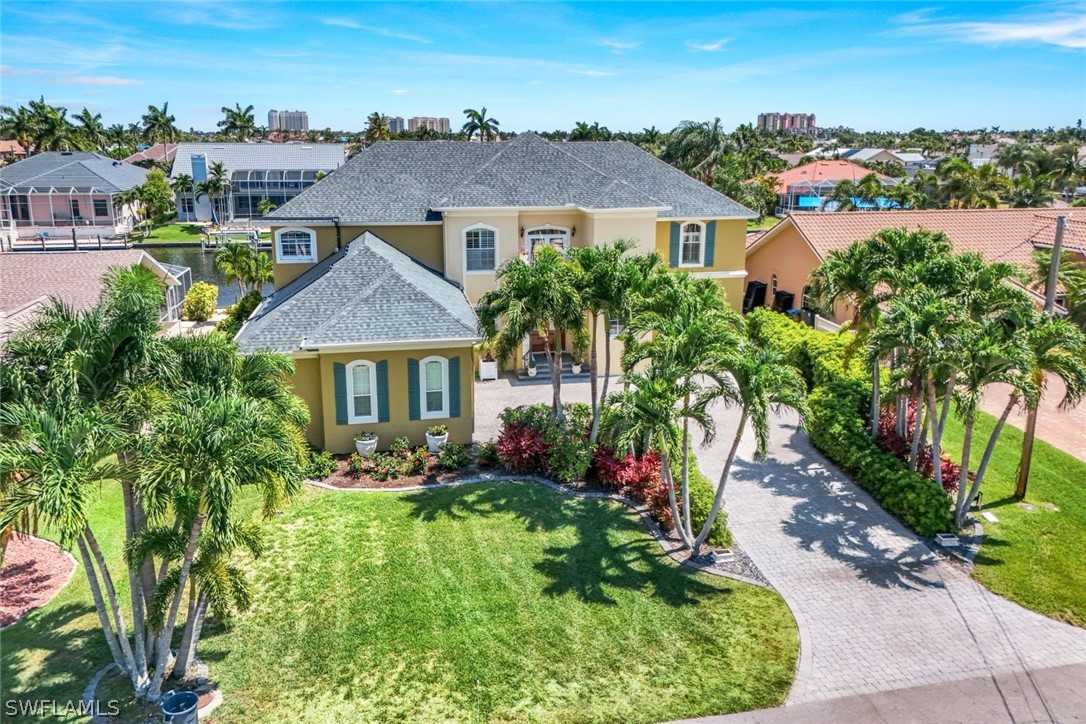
378 266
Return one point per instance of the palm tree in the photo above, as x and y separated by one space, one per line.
376 129
965 187
241 263
539 296
18 123
201 452
699 148
158 125
92 130
604 281
52 129
183 186
1031 191
478 123
238 122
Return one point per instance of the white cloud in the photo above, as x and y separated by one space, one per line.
63 78
385 32
710 47
919 15
1065 32
591 73
102 80
398 91
618 47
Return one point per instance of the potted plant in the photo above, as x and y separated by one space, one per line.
488 366
531 366
576 367
365 443
436 437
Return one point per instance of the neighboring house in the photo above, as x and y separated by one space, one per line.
11 150
807 187
441 217
913 161
160 154
867 155
256 171
784 257
28 280
67 192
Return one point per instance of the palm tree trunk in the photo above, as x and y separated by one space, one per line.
988 450
100 605
593 382
181 664
686 473
875 370
963 479
164 641
920 424
718 499
933 414
555 359
139 678
669 480
1026 460
187 652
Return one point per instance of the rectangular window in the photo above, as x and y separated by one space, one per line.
101 207
75 209
615 327
19 207
691 245
363 393
295 246
187 206
479 245
435 387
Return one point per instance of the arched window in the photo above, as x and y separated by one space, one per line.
691 251
294 246
805 302
480 248
362 391
773 284
434 384
556 237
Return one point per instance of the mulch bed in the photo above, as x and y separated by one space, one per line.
344 478
34 571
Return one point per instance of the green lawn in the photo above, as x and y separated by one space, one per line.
1036 558
481 603
767 223
173 234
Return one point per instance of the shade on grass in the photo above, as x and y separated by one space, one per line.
480 603
1037 558
496 602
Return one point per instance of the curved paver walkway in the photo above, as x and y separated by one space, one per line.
877 610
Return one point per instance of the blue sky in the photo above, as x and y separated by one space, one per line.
543 66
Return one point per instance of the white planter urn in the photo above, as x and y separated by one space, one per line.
365 447
488 369
434 443
576 369
532 371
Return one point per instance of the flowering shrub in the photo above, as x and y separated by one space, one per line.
901 447
531 442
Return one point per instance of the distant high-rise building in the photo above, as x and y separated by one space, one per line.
794 122
288 120
441 125
396 124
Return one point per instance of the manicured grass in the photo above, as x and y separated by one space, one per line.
767 223
172 234
484 603
1036 558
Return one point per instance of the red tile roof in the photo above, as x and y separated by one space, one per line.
1009 235
29 279
159 153
815 171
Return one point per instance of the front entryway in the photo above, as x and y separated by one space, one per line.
555 237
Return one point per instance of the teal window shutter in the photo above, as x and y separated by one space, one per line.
382 391
710 242
673 251
413 404
339 378
454 386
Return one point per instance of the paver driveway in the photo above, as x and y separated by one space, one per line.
877 610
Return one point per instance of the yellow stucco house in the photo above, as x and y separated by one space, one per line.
366 259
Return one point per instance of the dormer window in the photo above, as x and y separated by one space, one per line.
295 246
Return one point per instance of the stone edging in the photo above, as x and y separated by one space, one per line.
671 548
92 688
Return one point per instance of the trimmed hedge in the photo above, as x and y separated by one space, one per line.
702 492
839 402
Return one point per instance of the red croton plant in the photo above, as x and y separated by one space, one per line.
901 447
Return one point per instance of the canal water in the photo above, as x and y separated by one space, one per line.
203 269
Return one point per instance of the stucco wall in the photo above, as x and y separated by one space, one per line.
787 255
729 247
339 439
422 242
307 385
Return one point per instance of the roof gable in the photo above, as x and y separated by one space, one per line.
265 156
67 171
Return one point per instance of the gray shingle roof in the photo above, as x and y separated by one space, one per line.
65 171
408 181
266 156
367 292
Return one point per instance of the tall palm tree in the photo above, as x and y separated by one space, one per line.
699 148
540 296
200 453
18 123
965 187
158 125
479 123
92 130
52 129
376 129
238 122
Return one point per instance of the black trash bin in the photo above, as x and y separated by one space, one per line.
180 707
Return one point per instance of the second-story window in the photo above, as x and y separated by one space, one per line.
480 249
692 247
296 245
